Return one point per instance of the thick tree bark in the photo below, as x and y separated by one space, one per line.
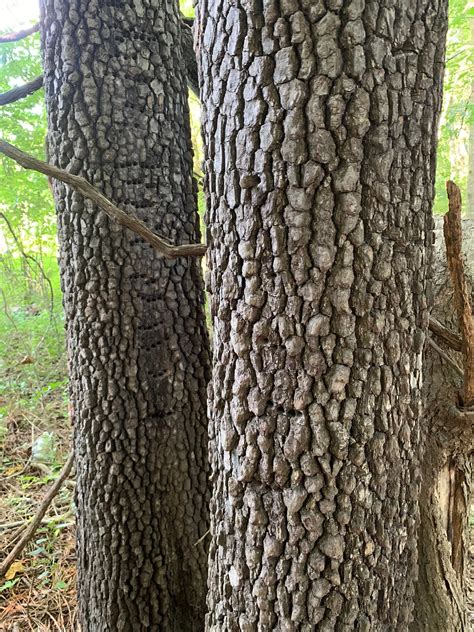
137 343
320 124
444 499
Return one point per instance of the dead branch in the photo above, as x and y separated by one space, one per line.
30 531
81 185
202 538
15 36
452 340
453 240
15 94
445 356
7 526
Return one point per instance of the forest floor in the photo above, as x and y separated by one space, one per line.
38 593
470 573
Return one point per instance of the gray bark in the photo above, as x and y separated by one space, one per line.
319 124
116 98
444 498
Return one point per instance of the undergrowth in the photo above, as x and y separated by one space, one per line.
38 591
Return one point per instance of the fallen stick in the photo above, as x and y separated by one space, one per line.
6 526
30 531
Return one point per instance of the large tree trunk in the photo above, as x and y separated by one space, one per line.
137 343
320 124
444 499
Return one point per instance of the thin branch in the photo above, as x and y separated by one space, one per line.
81 185
27 257
15 94
18 35
453 240
7 526
445 356
202 538
30 531
461 52
446 335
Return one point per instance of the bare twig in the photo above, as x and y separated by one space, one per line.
18 35
81 185
446 335
15 94
27 257
453 240
30 531
202 538
445 356
7 526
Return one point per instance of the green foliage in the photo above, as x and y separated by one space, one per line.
458 106
32 366
24 195
9 584
187 8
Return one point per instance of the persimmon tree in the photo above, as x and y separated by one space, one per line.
320 123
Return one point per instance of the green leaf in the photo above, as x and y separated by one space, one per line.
9 584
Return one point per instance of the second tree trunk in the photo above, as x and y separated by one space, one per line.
320 125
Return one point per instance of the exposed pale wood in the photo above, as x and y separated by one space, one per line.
453 240
81 185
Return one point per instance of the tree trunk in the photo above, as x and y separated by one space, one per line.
137 343
444 499
320 125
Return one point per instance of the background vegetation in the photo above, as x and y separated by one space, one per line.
33 384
